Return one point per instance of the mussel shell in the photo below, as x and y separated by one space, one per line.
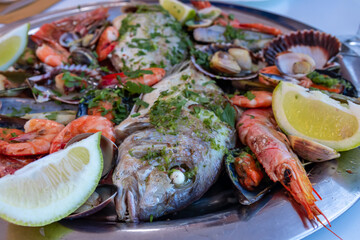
108 148
28 105
211 34
192 24
351 91
320 46
107 193
246 197
83 56
211 49
12 122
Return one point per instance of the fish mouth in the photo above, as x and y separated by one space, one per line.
130 211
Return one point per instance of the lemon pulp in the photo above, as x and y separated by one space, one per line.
9 48
317 119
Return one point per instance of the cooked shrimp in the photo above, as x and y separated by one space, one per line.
85 124
249 174
257 99
6 133
146 79
52 54
36 140
104 108
107 42
257 129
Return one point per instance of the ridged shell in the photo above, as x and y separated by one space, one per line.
320 46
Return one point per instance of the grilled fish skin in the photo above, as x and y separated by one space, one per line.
191 137
148 39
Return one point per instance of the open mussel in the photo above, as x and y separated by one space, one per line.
103 195
12 83
249 187
64 83
322 47
227 62
108 149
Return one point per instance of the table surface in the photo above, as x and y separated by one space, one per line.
338 17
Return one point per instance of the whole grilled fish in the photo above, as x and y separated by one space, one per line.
148 39
184 129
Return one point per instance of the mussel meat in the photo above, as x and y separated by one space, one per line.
103 195
296 65
223 62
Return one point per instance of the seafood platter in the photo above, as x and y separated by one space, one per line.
176 120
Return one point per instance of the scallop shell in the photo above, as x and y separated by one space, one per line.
320 46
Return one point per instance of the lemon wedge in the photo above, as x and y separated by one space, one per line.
178 10
12 45
315 116
52 187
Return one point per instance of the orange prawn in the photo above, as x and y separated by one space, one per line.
84 124
149 79
257 129
107 42
258 99
37 138
52 54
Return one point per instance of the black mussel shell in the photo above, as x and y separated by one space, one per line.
12 122
244 196
349 90
20 106
107 193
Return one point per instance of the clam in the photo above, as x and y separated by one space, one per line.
312 151
210 13
322 47
103 195
202 23
69 39
224 63
83 56
296 65
108 149
245 196
226 60
242 57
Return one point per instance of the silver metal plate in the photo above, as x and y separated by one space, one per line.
217 215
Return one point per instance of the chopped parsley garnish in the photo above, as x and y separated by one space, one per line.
228 115
18 113
143 43
202 58
321 79
71 81
137 88
232 33
249 95
137 73
52 116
